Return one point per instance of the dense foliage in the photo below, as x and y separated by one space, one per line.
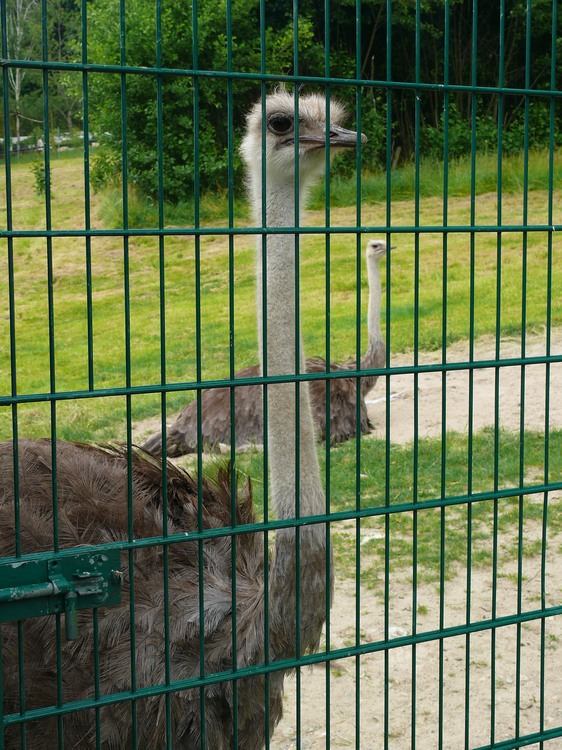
200 150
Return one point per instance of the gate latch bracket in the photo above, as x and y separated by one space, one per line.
54 584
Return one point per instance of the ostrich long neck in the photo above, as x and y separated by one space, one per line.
281 349
374 353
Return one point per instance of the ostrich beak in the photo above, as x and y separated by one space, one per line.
339 138
343 137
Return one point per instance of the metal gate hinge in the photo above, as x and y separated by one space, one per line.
52 585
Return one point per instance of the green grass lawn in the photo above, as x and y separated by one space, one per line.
423 285
400 475
126 292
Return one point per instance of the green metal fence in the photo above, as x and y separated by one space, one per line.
446 621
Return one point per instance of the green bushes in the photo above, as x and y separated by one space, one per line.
530 128
202 115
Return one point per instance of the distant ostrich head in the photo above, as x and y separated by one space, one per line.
376 249
281 130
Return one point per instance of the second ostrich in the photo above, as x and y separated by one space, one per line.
182 434
185 611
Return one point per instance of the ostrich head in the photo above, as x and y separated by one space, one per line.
376 249
277 140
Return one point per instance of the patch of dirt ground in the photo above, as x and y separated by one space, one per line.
433 390
496 685
493 682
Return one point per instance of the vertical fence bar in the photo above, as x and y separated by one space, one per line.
415 467
327 220
197 194
495 550
87 205
127 326
90 315
472 280
11 268
358 221
97 692
547 383
52 360
163 375
388 381
233 485
161 239
443 519
265 473
497 357
470 436
524 260
198 355
297 221
13 359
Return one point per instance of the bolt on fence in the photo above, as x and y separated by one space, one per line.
144 604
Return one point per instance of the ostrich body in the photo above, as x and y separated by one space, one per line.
92 490
343 391
181 436
92 509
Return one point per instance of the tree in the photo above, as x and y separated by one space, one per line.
64 32
179 93
417 118
23 44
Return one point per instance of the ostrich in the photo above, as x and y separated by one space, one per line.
343 391
92 499
181 436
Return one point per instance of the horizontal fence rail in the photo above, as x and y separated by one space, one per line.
295 378
273 78
202 231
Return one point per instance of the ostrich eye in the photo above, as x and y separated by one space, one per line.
280 124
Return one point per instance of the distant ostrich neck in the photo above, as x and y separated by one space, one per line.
375 340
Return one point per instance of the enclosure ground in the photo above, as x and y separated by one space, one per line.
433 390
476 673
475 687
480 674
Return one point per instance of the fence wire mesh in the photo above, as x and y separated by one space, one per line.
127 275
